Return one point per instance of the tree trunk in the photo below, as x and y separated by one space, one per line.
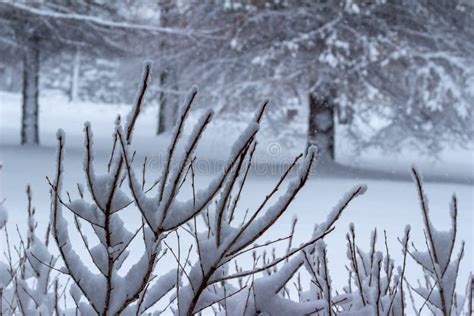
168 107
30 108
168 103
321 127
76 65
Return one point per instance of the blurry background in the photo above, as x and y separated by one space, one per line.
361 79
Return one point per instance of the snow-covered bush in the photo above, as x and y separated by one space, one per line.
374 287
207 281
28 280
439 263
225 269
109 290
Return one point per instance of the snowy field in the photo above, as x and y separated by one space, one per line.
389 204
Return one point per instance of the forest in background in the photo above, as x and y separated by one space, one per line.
394 73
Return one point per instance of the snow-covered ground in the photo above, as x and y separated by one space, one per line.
453 164
389 204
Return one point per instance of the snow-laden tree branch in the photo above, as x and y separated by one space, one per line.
29 278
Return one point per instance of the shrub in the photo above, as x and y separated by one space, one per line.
31 283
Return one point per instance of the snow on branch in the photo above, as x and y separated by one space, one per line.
101 22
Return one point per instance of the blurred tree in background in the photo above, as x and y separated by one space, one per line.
39 30
393 72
